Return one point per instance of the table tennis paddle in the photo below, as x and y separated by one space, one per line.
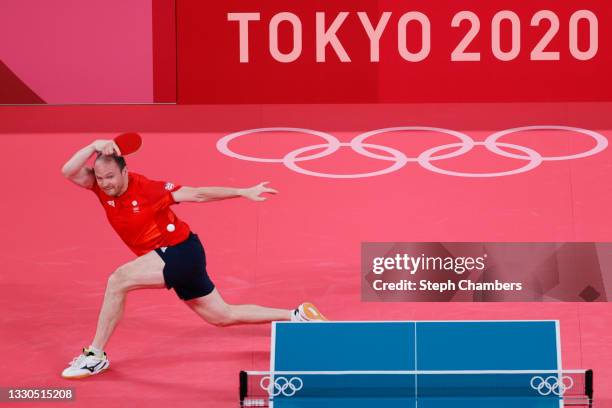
128 143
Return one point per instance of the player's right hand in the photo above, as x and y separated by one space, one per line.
106 147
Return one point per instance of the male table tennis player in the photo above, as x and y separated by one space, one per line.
168 253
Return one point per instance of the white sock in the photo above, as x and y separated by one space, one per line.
96 351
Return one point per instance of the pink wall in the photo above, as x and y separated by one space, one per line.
93 51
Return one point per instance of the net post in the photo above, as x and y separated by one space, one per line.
243 380
588 386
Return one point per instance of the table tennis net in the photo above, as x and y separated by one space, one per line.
572 387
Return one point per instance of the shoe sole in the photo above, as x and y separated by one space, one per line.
80 377
312 313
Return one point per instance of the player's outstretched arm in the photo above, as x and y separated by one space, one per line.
75 169
203 194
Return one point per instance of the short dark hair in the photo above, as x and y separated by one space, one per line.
113 157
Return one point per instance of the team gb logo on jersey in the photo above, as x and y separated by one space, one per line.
169 186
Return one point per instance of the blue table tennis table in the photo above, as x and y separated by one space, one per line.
425 364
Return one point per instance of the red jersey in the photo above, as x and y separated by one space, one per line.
142 216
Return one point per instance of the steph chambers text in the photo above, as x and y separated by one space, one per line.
430 286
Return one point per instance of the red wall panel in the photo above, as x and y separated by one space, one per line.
164 51
210 69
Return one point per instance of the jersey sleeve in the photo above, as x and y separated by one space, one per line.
160 193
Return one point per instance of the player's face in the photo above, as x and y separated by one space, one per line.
109 178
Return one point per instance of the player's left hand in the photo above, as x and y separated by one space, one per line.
255 193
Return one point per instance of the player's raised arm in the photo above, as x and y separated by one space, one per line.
75 169
203 194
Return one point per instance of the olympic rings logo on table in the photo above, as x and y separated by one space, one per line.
553 384
276 386
398 159
281 385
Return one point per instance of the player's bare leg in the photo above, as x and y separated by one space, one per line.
215 310
143 272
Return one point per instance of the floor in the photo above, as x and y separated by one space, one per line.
303 244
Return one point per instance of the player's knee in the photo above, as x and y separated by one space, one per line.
221 322
222 319
119 281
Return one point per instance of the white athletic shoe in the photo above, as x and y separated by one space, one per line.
307 312
86 364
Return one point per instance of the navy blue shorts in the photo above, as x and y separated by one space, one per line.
185 268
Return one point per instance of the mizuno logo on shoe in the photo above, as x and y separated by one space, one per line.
91 368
